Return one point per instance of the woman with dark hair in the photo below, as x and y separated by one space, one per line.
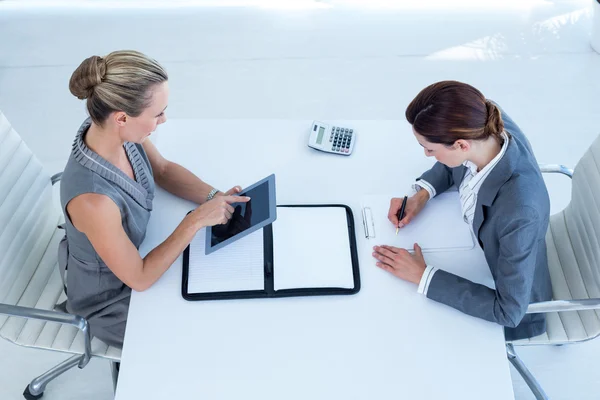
480 150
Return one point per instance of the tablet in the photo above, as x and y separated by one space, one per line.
247 217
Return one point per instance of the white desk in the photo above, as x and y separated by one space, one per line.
386 342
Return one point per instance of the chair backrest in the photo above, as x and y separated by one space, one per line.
28 218
574 243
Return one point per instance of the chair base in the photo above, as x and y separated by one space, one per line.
529 379
27 394
36 388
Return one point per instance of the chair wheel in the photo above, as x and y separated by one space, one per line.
27 394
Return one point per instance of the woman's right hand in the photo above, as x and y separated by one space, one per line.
216 211
414 205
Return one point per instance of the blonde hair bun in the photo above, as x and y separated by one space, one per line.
119 81
90 73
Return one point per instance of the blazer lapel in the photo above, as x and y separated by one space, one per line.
458 175
492 184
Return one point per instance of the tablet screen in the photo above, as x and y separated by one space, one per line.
245 215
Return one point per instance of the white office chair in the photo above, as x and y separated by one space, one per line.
30 282
573 242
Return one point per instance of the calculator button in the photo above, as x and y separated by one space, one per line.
351 130
345 150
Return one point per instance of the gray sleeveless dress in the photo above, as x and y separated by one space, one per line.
93 291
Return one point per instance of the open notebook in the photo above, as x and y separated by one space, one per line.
308 250
438 227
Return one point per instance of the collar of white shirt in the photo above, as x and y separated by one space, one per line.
478 177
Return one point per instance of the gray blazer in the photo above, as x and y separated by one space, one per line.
510 223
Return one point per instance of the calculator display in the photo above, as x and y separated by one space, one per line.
320 135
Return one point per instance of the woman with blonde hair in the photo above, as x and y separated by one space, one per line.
108 186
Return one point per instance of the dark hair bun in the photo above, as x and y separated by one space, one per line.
85 78
494 125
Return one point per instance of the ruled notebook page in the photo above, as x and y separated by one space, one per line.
236 267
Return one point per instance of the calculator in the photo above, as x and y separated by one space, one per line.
331 138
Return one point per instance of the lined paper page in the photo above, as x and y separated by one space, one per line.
236 267
439 226
311 248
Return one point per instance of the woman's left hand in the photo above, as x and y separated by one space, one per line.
400 262
231 192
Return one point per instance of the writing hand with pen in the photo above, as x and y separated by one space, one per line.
397 261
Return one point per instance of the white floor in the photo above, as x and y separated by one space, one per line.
309 59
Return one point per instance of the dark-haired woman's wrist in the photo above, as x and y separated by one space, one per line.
422 195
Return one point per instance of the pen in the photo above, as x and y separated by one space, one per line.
401 212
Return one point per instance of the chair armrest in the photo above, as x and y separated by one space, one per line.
56 178
54 316
556 168
563 305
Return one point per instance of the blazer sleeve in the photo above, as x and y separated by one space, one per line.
518 241
439 176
